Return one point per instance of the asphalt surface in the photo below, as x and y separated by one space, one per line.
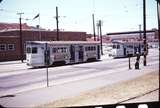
63 74
67 80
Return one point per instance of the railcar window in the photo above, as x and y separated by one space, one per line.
58 50
34 50
114 46
53 50
118 46
130 46
86 48
64 50
94 48
91 48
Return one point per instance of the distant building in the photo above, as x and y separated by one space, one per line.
10 39
107 39
151 35
9 26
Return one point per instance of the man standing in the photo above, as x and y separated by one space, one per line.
137 60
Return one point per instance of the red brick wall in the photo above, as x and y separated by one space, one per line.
12 37
10 55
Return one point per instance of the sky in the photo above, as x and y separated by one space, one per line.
76 15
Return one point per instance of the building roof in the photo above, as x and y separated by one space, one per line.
6 26
129 32
11 36
127 42
63 42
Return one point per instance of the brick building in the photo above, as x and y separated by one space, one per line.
10 39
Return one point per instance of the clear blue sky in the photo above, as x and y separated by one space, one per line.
117 15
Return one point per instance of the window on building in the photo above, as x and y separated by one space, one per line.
2 47
11 47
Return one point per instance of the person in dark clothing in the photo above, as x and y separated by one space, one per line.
137 60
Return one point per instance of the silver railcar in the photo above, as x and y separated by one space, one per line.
60 51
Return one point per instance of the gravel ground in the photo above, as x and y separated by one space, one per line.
150 97
114 93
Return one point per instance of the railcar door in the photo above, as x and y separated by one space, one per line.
139 48
81 52
72 52
98 51
124 51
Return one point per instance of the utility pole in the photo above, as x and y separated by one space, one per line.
47 61
144 33
158 17
20 36
57 23
94 34
140 39
129 61
40 36
140 36
100 29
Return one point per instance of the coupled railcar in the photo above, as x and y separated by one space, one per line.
125 49
40 52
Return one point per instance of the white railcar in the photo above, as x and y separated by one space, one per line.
60 51
124 49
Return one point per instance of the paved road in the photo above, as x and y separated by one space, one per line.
28 79
68 80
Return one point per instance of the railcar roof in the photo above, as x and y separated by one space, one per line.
128 42
64 42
